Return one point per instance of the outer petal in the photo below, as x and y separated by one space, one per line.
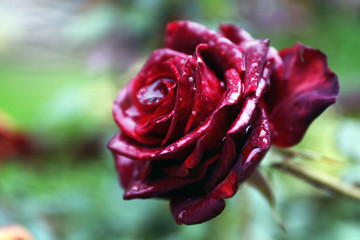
195 210
234 33
242 38
122 144
130 171
307 87
148 189
222 54
148 185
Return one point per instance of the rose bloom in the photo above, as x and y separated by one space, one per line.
203 111
12 142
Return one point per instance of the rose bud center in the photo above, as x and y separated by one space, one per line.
152 94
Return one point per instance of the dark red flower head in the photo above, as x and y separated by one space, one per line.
203 111
12 142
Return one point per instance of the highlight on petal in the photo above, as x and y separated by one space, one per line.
255 58
305 89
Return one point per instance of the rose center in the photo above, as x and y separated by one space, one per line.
154 92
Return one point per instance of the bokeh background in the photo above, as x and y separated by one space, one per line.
62 63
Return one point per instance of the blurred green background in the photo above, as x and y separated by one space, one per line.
61 65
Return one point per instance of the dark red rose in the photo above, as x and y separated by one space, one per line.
12 142
203 111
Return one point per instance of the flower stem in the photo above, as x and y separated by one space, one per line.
319 179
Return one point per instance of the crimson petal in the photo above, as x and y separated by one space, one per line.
184 102
253 151
162 187
184 36
307 87
234 33
194 210
228 155
238 129
220 120
255 57
126 108
129 171
209 90
122 144
242 38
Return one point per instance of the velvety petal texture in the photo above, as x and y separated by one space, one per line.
302 92
203 111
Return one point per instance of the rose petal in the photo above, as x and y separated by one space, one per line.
129 171
253 151
306 88
255 57
233 141
157 100
122 144
155 127
178 170
184 36
240 37
127 108
194 210
183 104
171 68
220 120
158 187
209 90
154 123
163 186
234 33
162 63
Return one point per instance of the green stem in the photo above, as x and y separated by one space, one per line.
320 179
